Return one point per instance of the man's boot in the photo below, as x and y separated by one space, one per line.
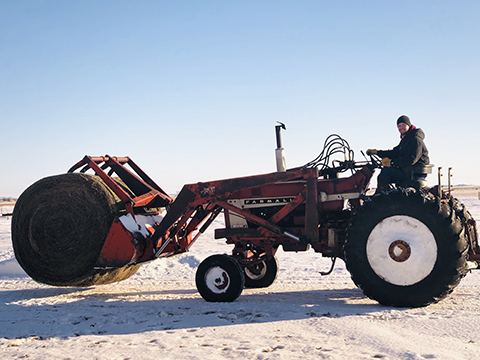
381 187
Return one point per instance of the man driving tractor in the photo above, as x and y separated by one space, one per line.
398 161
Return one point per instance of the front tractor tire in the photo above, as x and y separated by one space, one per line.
406 248
262 274
220 278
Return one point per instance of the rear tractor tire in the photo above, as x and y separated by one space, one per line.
220 278
406 248
262 274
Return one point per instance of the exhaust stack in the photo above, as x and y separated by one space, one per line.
281 167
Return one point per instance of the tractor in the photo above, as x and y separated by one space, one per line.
96 224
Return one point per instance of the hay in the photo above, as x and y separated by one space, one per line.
59 226
103 277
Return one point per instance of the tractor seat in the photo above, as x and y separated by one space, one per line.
417 176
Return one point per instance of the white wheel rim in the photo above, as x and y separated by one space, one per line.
254 275
217 280
401 250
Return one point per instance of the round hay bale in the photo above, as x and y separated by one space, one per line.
59 226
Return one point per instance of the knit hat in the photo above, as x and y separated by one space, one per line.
404 119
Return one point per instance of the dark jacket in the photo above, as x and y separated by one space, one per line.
410 151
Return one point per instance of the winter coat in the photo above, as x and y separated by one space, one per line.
410 151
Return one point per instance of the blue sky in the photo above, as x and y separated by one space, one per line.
192 90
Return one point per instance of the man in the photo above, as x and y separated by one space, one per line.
411 151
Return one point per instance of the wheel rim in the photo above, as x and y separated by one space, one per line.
257 271
401 250
217 280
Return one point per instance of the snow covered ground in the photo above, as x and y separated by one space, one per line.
158 314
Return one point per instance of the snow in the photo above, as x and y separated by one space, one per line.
159 314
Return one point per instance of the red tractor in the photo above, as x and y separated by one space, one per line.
409 246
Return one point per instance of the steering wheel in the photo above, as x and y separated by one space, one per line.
376 160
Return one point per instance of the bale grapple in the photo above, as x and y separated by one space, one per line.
301 208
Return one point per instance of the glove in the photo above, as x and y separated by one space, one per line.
372 152
386 162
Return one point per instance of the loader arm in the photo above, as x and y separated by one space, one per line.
198 197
